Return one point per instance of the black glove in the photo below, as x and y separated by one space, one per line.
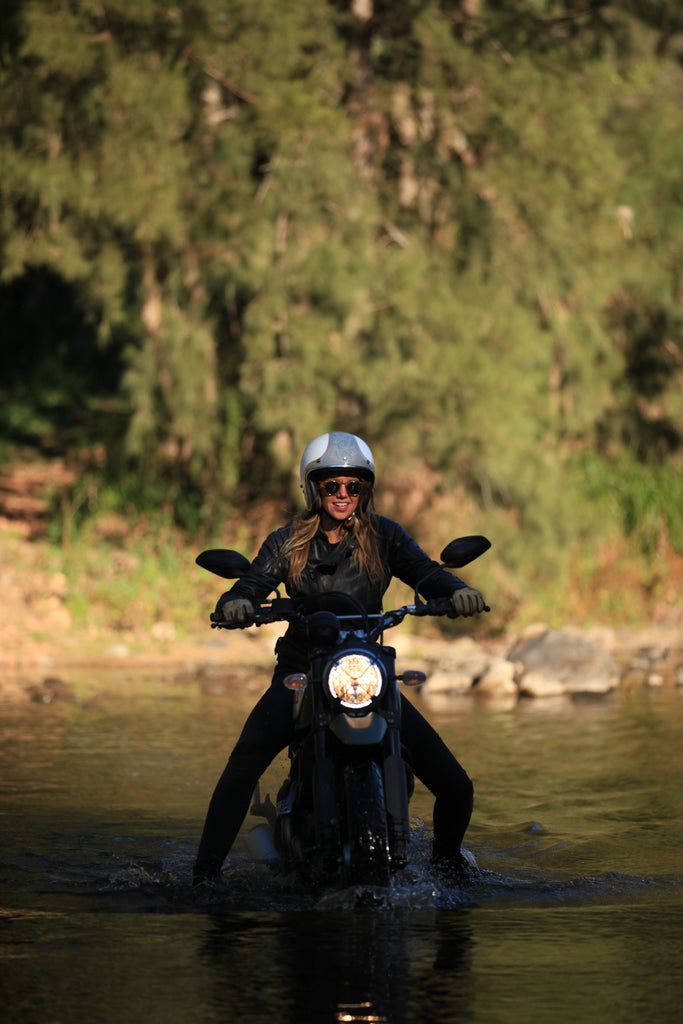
233 609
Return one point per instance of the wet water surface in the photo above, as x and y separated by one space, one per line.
577 913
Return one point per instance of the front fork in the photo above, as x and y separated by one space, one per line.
327 835
395 782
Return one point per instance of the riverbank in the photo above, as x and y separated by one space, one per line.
44 634
38 664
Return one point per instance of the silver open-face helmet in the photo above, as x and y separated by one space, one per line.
328 453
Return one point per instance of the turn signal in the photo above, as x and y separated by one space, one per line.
413 678
297 681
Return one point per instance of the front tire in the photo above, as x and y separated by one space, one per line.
366 856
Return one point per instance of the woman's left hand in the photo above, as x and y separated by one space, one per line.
467 601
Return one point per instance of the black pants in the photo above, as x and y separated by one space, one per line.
269 730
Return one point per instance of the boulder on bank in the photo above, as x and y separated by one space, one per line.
457 667
559 662
549 663
463 668
499 679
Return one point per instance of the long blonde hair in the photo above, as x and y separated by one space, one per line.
362 526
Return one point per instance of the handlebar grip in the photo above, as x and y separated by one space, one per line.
217 622
437 606
443 606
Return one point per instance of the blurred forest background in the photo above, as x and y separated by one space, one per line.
454 228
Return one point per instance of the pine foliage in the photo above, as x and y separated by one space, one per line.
452 227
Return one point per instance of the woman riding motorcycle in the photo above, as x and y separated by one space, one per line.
338 543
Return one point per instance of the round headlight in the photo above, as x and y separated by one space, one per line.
355 680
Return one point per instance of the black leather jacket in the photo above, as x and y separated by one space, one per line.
331 567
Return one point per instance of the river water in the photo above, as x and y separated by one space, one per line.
577 913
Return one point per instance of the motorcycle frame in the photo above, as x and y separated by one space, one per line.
317 713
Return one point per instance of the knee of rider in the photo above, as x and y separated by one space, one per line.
461 789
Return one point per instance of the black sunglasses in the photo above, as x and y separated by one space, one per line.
353 488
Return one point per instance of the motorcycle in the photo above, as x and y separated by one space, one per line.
341 815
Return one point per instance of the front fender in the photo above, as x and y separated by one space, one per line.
358 731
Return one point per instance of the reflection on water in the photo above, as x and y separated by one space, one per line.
576 915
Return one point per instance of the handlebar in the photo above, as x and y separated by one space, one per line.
283 609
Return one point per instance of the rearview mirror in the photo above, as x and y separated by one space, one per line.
463 551
223 562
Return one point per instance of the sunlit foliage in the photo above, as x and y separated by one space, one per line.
452 227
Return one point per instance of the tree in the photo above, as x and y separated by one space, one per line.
451 227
